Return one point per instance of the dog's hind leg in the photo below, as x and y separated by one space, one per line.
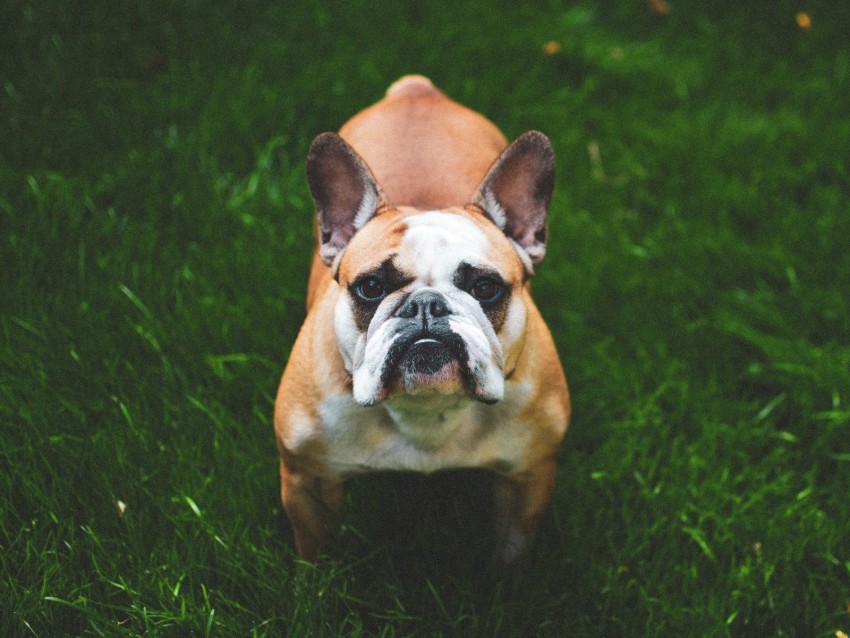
520 499
313 505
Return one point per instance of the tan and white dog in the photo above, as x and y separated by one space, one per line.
422 349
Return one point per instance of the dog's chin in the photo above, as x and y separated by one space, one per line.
428 367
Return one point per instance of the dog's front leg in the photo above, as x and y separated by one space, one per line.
520 500
313 505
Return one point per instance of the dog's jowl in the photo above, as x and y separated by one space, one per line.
422 349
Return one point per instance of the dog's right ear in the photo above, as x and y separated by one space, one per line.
344 190
516 192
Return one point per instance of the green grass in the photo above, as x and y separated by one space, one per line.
154 241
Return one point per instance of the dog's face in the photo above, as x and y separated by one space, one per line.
431 302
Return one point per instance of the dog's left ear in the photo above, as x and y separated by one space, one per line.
344 190
517 189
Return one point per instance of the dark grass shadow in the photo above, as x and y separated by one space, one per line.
421 548
427 526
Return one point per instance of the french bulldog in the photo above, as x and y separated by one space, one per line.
422 349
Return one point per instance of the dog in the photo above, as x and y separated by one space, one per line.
422 349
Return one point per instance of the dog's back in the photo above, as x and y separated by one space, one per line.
425 150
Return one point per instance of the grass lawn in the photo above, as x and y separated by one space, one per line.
155 231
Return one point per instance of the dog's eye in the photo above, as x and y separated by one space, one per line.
486 289
370 289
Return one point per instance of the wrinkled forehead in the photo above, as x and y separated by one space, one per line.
436 242
429 246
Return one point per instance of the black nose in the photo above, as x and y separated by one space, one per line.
424 305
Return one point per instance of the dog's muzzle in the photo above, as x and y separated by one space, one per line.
426 353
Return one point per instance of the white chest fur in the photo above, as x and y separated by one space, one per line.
424 435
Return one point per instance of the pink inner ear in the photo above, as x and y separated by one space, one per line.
336 240
340 183
520 182
514 188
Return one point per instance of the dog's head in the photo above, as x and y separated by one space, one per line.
431 302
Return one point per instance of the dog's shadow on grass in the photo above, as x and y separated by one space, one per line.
430 524
428 543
